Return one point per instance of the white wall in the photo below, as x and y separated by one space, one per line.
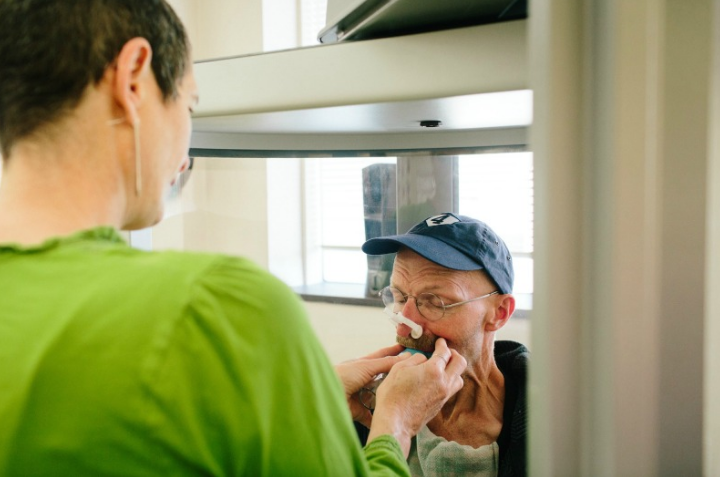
220 28
225 210
349 332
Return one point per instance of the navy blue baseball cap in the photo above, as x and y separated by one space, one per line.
456 242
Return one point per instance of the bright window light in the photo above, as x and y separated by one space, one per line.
312 20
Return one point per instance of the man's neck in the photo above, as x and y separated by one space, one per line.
474 416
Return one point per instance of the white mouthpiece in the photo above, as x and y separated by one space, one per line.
398 318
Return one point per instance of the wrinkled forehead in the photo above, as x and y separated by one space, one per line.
410 265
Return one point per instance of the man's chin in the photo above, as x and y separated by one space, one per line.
425 343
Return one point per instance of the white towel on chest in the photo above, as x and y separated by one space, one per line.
432 456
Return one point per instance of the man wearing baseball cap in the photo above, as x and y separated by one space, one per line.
453 276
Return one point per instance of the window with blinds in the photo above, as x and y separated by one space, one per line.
341 214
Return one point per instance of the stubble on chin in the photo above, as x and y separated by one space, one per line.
425 343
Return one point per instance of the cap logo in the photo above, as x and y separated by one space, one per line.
442 219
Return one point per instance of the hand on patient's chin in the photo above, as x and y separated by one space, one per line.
418 387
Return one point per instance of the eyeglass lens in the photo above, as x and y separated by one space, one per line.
430 306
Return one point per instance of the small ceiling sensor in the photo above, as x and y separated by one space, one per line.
430 123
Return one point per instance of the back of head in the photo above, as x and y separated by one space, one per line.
52 50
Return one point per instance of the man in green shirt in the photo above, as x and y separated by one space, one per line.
122 362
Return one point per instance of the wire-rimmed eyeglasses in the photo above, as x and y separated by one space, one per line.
430 306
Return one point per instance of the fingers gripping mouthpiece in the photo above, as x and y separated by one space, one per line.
416 330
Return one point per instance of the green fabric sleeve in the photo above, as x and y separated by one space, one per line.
385 457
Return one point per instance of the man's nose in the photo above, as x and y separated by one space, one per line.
410 309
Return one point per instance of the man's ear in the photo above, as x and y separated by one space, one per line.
504 308
133 70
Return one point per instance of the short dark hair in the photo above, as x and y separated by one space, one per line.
52 50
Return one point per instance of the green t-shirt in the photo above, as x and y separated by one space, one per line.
122 362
